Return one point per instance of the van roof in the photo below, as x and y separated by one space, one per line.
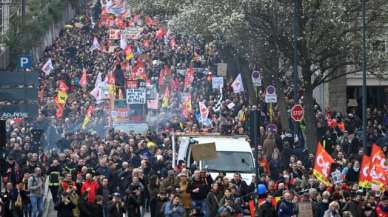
236 144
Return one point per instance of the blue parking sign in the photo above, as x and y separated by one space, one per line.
25 61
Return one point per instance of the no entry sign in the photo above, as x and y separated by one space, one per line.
297 112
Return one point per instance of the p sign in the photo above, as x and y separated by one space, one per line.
25 61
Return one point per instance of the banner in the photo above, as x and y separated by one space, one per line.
133 33
136 96
120 112
256 78
237 84
377 156
364 180
95 45
322 165
114 34
153 103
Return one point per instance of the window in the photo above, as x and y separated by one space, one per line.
228 161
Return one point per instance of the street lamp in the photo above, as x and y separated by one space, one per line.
364 67
295 58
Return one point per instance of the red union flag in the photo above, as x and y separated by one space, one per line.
364 180
189 78
378 168
203 110
322 165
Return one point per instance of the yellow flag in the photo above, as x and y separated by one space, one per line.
62 97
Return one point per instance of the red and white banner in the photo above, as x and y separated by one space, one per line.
203 110
83 82
364 180
114 34
237 84
189 77
322 165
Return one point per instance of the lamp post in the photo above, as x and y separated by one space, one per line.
255 125
295 58
364 67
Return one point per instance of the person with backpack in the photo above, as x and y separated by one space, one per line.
36 189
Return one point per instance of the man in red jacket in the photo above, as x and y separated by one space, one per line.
90 187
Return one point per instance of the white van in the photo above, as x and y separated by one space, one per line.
234 154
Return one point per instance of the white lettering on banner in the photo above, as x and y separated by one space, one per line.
8 115
324 165
131 33
365 170
136 96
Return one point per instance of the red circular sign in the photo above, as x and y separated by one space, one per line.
297 112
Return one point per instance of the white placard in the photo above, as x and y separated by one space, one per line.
136 96
217 82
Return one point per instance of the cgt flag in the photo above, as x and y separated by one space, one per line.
322 165
88 117
364 180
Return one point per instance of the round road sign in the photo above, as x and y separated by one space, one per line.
297 112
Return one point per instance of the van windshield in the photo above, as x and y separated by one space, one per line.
228 161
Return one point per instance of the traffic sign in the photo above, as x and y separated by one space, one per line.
297 113
25 61
270 94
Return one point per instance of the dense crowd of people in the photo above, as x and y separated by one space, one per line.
98 171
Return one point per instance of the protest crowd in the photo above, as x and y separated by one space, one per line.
94 170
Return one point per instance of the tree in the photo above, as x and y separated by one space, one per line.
260 32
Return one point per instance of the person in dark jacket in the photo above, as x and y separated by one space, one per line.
323 205
286 207
198 190
85 208
213 201
266 209
64 206
353 173
117 206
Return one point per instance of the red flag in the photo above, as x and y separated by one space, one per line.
322 165
128 50
165 72
149 21
172 43
364 179
120 23
377 155
63 86
84 79
59 113
377 176
189 78
252 208
160 34
138 71
187 106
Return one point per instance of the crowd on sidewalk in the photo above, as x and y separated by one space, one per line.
93 171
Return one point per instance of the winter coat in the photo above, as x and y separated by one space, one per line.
329 213
174 211
186 197
65 210
213 203
286 209
266 210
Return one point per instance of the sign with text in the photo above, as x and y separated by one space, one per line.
222 69
25 61
136 96
131 33
217 82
